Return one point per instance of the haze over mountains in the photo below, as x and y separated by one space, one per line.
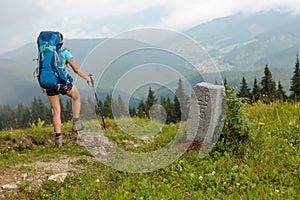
236 43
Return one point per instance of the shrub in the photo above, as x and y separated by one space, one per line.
237 127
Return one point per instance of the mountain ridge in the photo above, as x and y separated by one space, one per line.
235 43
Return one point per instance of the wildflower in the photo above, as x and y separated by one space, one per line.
213 173
238 184
261 124
200 178
277 191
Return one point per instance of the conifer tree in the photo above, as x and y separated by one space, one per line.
119 107
163 111
39 110
180 103
34 110
171 118
132 111
141 109
177 109
256 91
226 83
244 89
68 114
44 110
268 86
8 117
150 101
280 93
107 112
22 115
295 82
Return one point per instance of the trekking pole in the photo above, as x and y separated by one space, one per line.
98 107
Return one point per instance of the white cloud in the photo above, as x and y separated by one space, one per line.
23 19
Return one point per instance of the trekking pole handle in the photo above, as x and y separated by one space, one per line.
92 80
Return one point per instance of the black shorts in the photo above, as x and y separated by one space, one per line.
61 89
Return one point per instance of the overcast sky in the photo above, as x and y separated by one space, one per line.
21 20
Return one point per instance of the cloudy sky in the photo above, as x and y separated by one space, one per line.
21 20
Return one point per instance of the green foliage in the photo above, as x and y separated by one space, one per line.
280 93
295 82
181 103
268 169
244 89
268 86
256 91
39 124
150 101
236 126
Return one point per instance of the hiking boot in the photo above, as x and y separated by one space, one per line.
59 141
77 126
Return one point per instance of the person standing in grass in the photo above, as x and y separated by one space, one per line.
68 88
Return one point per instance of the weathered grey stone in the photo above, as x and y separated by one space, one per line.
60 178
207 110
97 143
10 186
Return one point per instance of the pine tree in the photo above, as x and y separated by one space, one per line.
280 94
68 114
244 89
163 109
23 116
34 110
226 84
177 109
150 101
295 82
256 91
119 108
170 109
141 109
132 111
8 117
268 86
181 103
44 112
107 112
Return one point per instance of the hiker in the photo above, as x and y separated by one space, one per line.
67 88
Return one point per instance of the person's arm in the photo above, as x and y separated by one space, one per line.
77 70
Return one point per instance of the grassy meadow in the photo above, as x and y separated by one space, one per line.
265 166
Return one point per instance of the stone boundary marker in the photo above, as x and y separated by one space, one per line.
206 115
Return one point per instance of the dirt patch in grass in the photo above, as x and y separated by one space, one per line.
33 174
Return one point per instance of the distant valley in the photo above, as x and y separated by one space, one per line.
239 45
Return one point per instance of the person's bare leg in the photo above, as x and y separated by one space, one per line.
55 104
77 125
74 94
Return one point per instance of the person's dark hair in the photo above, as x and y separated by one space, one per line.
61 36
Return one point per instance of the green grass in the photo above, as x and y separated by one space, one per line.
267 169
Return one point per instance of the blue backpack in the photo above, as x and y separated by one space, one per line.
51 70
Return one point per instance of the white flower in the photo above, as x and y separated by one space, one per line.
238 184
213 173
276 190
200 178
